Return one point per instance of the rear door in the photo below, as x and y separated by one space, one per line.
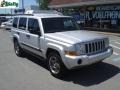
22 31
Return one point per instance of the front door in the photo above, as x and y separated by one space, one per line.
33 36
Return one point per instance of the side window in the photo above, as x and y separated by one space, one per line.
33 26
22 23
15 22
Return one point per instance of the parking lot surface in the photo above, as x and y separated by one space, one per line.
29 73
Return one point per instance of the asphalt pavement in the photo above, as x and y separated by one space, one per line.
29 73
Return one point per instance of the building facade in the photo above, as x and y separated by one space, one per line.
102 15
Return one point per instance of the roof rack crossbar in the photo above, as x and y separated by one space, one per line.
42 12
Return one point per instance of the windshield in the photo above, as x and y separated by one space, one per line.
52 25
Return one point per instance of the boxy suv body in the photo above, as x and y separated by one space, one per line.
59 41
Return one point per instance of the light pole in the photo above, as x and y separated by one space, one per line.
23 6
5 11
11 12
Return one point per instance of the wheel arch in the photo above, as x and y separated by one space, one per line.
54 48
15 37
49 50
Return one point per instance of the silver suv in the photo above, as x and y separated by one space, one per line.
58 39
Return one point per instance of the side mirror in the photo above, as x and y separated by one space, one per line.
37 32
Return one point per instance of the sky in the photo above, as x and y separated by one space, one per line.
26 4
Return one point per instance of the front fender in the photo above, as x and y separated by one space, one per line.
61 51
56 47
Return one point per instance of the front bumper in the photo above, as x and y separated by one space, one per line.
71 62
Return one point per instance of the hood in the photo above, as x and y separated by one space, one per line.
73 37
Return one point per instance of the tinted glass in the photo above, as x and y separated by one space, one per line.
33 26
22 23
51 25
15 21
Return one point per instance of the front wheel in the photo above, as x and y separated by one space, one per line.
55 65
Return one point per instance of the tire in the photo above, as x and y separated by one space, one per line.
100 62
55 65
18 50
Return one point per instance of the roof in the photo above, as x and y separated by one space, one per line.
42 15
42 12
49 15
73 3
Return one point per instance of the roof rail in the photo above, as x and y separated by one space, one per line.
43 12
23 14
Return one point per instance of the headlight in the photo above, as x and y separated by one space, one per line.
71 53
80 48
106 42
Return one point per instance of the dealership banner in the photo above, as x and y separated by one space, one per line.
103 12
9 3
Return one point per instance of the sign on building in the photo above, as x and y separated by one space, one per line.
9 3
104 12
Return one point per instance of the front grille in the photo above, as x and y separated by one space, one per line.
93 47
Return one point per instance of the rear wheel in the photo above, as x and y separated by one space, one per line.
18 49
56 65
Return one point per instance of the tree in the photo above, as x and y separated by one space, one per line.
43 4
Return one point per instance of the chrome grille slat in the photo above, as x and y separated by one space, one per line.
100 43
98 46
103 45
90 47
95 46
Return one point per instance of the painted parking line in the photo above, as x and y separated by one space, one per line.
114 46
116 59
115 53
117 43
114 40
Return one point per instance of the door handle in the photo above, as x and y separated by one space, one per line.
28 36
